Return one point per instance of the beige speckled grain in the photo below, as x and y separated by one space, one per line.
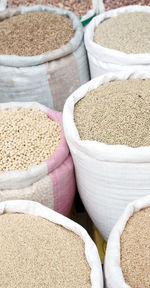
117 112
37 253
127 32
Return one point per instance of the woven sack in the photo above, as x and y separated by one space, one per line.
104 60
108 176
113 272
48 78
52 182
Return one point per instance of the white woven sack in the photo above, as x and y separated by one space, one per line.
113 273
108 176
48 78
33 208
104 60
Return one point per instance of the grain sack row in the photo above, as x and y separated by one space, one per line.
46 249
127 261
118 40
35 162
106 124
86 10
35 65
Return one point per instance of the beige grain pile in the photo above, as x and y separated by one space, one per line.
117 112
34 33
38 253
128 32
135 250
27 137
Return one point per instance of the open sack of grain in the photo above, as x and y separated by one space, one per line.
107 128
45 248
118 40
84 9
35 65
127 260
35 163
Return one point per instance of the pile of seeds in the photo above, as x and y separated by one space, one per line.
38 253
135 250
34 33
80 7
127 32
117 112
113 4
27 137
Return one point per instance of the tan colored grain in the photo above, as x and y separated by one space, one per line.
128 32
117 112
135 250
27 137
34 33
37 253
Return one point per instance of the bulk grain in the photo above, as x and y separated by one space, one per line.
128 249
35 162
106 124
28 137
127 32
34 33
135 250
80 7
42 54
115 113
113 4
45 248
42 253
117 40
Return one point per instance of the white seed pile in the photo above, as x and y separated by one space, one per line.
34 33
128 32
27 137
135 250
38 253
117 112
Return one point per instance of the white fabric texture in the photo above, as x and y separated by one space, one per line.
103 60
33 208
108 176
113 273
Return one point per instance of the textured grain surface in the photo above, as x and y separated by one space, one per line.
113 4
27 137
80 7
128 32
36 253
116 113
34 33
135 250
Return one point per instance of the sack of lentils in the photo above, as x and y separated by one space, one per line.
45 248
118 40
35 162
127 260
84 9
106 124
42 55
113 4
